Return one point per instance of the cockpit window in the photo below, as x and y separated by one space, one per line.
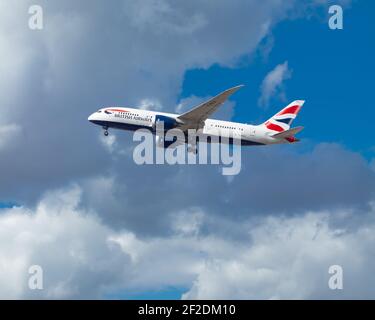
99 111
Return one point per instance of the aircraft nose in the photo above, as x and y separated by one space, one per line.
91 118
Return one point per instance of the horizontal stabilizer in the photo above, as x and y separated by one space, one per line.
288 133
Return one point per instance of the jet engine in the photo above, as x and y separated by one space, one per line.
168 122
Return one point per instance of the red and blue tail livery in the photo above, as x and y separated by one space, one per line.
282 120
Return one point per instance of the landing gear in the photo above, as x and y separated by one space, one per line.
106 133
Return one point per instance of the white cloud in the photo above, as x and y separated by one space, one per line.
149 104
162 18
282 257
289 259
69 245
80 256
109 142
188 222
273 83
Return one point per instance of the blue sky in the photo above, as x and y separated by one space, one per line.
6 205
164 232
332 70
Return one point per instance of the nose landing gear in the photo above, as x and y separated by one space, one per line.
106 133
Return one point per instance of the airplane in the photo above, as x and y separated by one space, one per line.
276 130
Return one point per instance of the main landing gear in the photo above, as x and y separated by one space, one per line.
106 133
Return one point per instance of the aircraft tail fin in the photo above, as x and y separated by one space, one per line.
282 120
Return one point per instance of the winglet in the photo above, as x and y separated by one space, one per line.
238 87
227 93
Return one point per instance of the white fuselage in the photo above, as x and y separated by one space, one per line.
133 119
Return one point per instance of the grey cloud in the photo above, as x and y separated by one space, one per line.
91 54
272 181
94 54
77 64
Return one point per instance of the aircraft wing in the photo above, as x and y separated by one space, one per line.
196 116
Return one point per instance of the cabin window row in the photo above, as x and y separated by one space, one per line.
226 127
